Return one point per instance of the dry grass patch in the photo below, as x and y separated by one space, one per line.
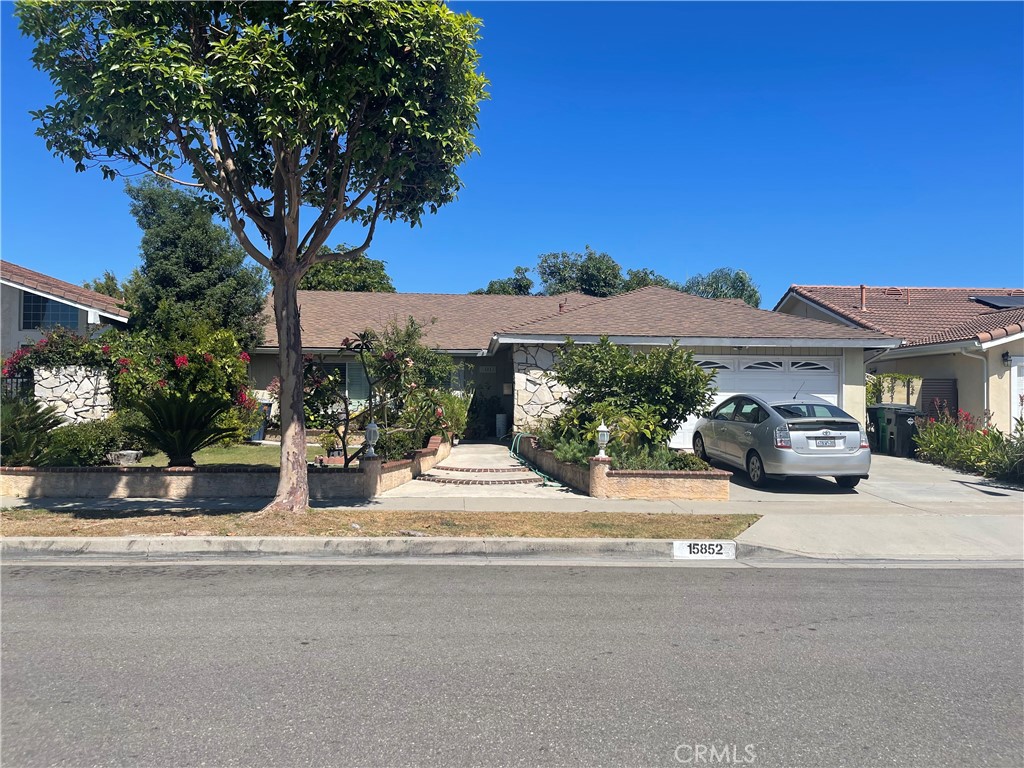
335 522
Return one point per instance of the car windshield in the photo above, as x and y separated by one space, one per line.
810 411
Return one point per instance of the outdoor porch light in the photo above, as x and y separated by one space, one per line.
602 438
1007 360
372 435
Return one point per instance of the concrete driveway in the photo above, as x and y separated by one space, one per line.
894 483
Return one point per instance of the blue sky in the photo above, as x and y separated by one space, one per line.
833 143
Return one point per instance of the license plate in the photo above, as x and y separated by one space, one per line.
704 550
829 443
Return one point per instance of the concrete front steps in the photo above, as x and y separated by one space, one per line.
447 474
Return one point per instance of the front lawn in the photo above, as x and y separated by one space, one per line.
248 454
341 522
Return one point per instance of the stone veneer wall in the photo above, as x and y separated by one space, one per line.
538 397
79 394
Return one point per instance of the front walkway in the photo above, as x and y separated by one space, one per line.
481 470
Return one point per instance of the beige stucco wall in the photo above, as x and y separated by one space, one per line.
968 374
854 400
11 334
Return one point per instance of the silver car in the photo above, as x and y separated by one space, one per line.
773 439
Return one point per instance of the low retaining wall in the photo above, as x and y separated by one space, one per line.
572 475
602 482
367 480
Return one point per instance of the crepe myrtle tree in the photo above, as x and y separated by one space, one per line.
360 111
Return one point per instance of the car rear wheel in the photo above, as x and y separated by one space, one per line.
847 482
698 447
755 470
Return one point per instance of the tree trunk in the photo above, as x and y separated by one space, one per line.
293 486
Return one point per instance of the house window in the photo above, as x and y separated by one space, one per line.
39 312
764 365
357 386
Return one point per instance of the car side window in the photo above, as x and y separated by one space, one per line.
749 412
725 412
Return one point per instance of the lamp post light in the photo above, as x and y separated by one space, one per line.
372 435
603 434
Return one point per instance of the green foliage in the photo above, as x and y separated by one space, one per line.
654 457
592 273
192 270
179 424
359 273
58 348
107 284
397 442
574 451
397 361
642 278
85 444
455 407
724 283
960 443
886 384
27 426
519 284
644 397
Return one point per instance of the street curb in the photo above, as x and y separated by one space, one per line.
757 552
163 548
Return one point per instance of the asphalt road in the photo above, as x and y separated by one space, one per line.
391 665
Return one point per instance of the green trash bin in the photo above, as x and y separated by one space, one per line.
904 422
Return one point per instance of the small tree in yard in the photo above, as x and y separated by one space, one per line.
360 110
644 396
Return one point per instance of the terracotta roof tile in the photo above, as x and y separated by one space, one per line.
987 327
51 286
450 321
664 313
913 314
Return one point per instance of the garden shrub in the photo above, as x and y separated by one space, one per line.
25 437
654 457
85 444
397 442
180 424
960 443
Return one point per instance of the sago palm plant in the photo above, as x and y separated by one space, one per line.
180 424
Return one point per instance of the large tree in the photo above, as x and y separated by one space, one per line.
724 283
592 273
107 284
360 110
361 274
519 284
192 269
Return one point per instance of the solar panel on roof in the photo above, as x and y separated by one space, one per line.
1000 302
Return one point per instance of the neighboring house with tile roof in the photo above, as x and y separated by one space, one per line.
509 343
31 303
965 344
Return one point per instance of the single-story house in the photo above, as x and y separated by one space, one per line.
31 303
965 344
511 342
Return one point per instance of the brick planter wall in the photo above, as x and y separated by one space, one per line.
602 482
572 475
365 481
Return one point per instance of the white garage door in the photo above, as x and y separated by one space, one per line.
769 376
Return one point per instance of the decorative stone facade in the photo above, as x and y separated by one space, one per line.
538 397
79 394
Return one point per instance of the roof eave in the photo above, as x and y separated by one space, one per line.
64 300
700 341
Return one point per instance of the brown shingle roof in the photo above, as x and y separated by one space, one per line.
665 313
987 327
461 321
913 314
51 286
